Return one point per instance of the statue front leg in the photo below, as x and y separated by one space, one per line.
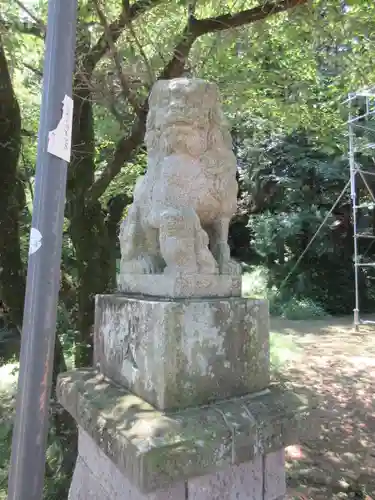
218 236
139 249
183 243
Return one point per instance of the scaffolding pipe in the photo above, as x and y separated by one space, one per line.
353 196
355 170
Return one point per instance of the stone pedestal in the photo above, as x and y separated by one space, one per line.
180 405
183 352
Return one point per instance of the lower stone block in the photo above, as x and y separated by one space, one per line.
97 478
274 475
243 482
85 485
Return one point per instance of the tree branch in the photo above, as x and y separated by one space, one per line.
116 113
37 71
192 4
150 71
248 16
24 27
125 149
27 133
198 27
32 16
128 13
174 68
126 87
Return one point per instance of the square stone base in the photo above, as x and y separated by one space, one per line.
183 352
97 478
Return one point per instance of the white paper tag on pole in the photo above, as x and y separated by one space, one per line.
60 139
35 240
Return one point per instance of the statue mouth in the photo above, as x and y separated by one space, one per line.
170 121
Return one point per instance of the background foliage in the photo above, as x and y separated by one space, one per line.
283 68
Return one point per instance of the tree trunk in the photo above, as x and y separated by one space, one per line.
12 198
87 225
93 251
115 210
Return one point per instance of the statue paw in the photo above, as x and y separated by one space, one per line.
231 267
206 263
143 264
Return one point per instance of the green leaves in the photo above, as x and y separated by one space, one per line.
281 81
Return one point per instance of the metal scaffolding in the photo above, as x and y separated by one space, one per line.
361 123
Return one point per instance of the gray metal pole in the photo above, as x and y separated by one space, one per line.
26 477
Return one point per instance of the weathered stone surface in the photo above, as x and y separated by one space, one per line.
85 485
155 450
240 482
182 207
274 475
96 477
181 353
180 285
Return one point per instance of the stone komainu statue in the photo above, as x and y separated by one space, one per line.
179 220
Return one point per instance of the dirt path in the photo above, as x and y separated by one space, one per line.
331 361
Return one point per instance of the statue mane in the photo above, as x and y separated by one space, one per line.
176 115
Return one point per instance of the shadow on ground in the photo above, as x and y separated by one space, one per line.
329 360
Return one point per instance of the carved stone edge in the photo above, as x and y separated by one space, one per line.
183 285
155 450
